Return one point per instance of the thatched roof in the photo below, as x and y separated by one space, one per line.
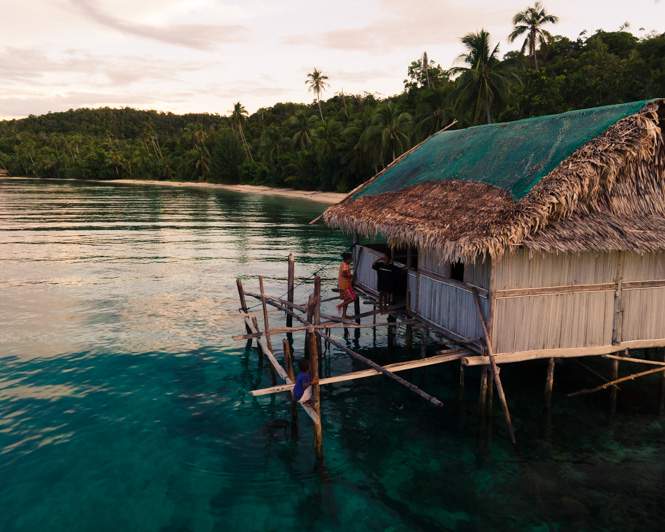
585 180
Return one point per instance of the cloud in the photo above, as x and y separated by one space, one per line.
399 24
25 64
197 36
360 76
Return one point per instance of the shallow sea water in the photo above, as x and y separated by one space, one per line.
124 403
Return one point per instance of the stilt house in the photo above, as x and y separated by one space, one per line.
557 222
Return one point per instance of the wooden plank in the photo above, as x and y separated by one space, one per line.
522 356
552 290
617 381
635 360
566 289
396 367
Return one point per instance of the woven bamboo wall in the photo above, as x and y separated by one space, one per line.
446 304
363 260
581 318
643 308
518 270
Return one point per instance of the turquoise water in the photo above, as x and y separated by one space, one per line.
124 404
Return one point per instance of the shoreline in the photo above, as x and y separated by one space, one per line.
328 198
311 195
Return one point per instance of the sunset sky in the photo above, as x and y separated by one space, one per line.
203 55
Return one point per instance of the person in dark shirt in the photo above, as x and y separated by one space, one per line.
384 281
302 391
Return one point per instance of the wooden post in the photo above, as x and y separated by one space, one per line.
482 399
314 368
617 325
309 319
288 362
243 303
316 312
290 292
266 326
549 384
614 391
495 368
461 382
391 330
424 335
490 394
374 324
661 406
266 322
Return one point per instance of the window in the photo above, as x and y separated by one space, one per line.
457 271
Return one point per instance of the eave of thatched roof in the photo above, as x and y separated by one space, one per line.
608 195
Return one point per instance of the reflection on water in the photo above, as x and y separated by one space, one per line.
124 404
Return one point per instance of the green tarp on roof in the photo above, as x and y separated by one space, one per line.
514 156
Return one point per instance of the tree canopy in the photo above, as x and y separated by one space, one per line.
337 143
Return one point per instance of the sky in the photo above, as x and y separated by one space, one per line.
204 55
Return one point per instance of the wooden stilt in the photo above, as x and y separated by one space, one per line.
243 302
356 309
314 368
391 330
309 319
409 336
290 292
495 368
490 394
460 395
549 384
266 325
266 322
661 406
316 312
482 398
424 335
614 391
374 324
288 362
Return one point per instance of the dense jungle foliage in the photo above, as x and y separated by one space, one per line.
336 143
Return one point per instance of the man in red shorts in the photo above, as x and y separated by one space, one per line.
344 283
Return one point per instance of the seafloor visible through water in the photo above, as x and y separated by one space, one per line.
124 404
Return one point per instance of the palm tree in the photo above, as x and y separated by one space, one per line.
392 128
482 85
302 124
425 69
531 22
317 81
238 117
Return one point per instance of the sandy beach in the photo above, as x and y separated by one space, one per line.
321 197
